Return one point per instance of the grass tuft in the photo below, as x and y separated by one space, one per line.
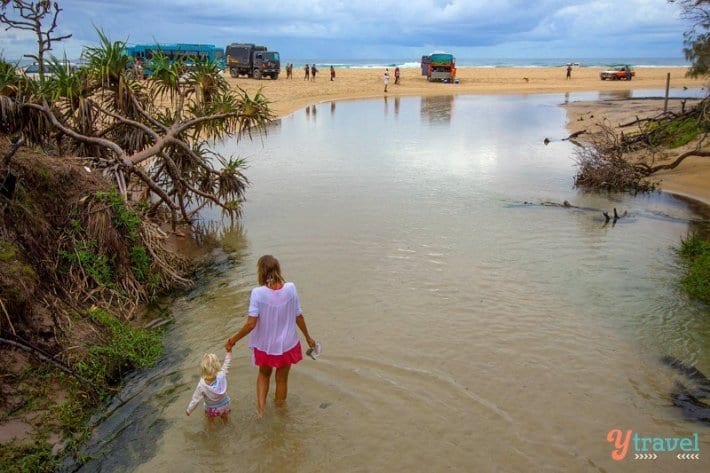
696 282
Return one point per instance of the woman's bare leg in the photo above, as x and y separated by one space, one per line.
262 388
281 385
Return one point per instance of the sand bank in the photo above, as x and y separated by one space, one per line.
289 95
691 178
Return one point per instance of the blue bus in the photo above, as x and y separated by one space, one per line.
186 52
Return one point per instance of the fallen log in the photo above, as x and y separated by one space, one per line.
41 355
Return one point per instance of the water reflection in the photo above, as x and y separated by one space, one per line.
311 111
615 94
437 109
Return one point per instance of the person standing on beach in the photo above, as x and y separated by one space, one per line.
307 70
396 75
386 78
332 73
313 72
569 71
274 314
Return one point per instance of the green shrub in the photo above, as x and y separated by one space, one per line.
36 458
126 219
125 349
96 265
140 263
696 252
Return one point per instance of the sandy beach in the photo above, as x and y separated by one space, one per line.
691 178
289 95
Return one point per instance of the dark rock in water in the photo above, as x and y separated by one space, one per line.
689 399
691 372
693 408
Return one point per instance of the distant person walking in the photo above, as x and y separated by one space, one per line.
313 72
307 70
569 71
396 75
386 78
332 73
289 71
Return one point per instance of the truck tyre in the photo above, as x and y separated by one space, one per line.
257 74
629 77
233 72
275 76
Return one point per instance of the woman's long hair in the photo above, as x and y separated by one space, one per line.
268 271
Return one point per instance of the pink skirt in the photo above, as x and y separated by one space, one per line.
217 411
291 357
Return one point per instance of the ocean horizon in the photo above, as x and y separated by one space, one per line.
494 62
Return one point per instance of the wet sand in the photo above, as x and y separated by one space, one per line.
691 178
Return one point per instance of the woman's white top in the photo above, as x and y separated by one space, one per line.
275 331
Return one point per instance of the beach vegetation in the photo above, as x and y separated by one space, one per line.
97 166
615 159
27 458
695 251
697 38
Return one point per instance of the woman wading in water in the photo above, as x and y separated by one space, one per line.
274 314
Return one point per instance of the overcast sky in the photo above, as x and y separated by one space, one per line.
379 29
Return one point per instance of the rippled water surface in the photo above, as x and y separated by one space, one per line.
463 329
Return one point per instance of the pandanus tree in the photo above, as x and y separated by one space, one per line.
150 136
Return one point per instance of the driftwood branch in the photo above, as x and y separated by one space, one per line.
576 134
638 120
679 159
40 354
617 217
13 149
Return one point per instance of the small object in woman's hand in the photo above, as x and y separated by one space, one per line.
314 352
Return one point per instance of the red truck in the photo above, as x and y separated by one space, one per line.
617 73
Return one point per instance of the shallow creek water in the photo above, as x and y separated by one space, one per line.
462 329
